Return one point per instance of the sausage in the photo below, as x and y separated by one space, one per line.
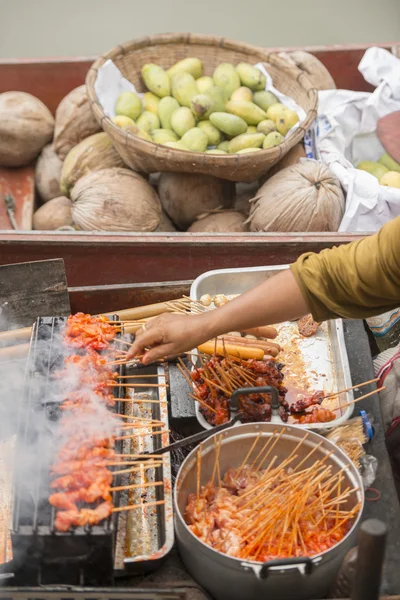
272 349
232 349
266 332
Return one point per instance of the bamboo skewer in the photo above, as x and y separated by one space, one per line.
138 469
135 486
362 397
141 505
136 385
354 387
144 434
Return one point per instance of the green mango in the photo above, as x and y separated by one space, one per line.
272 139
226 77
247 150
265 99
266 126
201 106
242 93
129 105
156 80
388 162
374 168
193 66
176 145
216 151
251 77
224 146
217 97
182 120
213 134
183 88
151 102
195 139
252 129
204 84
227 123
148 121
248 111
160 136
246 140
167 106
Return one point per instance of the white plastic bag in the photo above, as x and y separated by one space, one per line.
344 135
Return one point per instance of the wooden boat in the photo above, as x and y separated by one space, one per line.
133 257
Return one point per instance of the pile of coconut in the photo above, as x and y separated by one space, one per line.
82 182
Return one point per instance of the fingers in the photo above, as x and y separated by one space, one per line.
157 353
144 339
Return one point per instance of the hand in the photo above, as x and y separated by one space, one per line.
168 335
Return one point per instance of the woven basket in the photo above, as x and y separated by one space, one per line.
167 49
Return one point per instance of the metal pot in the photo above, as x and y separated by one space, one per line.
228 578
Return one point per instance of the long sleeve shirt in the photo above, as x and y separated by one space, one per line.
356 280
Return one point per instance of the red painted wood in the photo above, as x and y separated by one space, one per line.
21 184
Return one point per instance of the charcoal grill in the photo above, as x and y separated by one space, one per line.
91 594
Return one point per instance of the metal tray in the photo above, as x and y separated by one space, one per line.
323 358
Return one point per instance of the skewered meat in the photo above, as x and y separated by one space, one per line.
307 326
318 415
301 404
85 331
86 516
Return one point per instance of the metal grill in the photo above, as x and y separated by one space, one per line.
90 594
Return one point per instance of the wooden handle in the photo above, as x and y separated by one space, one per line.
16 335
232 349
14 352
142 312
266 332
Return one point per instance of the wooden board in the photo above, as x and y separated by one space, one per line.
31 290
20 183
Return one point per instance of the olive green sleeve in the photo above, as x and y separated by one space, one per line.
356 280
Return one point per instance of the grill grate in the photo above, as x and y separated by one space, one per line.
91 594
42 555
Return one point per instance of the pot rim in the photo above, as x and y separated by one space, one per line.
316 558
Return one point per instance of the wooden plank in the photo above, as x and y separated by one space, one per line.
20 183
31 290
93 259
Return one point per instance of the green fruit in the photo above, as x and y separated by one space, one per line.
248 111
167 106
216 151
201 106
217 97
156 80
266 126
246 140
391 179
128 105
160 136
388 162
195 139
176 145
124 122
275 111
224 146
229 124
148 121
193 66
265 99
252 129
151 102
182 120
213 134
246 150
286 121
374 168
251 77
226 78
272 139
242 93
183 88
204 84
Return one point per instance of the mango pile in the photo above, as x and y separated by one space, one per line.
228 113
386 170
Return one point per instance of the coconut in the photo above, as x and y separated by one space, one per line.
94 153
312 67
291 158
26 126
185 196
220 221
165 223
303 197
54 214
48 173
115 200
244 193
74 121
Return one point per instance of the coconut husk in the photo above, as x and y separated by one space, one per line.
94 153
47 174
303 197
220 221
165 223
74 121
291 158
26 126
55 214
244 193
115 200
312 67
185 196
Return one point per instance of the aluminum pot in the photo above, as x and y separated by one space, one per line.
229 578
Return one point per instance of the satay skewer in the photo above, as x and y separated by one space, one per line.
361 397
144 434
141 505
135 486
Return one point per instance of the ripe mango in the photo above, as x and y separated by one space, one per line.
201 106
215 151
252 129
248 111
218 99
275 111
226 77
193 66
213 134
204 84
246 150
374 168
251 77
224 146
388 162
195 139
148 121
391 179
156 80
266 126
129 105
182 120
286 121
229 124
176 145
272 139
183 88
151 102
265 99
242 93
124 122
246 140
167 106
160 136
